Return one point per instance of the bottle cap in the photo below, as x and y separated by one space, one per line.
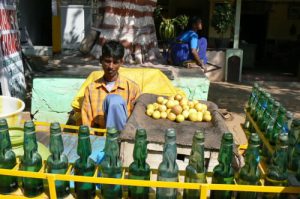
3 125
55 127
141 133
289 114
84 131
276 104
171 133
283 139
255 85
254 139
227 137
268 95
199 135
29 126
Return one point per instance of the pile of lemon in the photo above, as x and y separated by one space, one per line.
178 108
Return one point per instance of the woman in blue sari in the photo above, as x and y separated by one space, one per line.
189 49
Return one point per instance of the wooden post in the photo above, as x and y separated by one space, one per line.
56 29
237 24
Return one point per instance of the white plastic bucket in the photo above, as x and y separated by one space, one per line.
11 109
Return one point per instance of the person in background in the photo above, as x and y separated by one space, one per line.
109 100
189 50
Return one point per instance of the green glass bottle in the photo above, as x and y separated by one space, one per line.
287 122
57 162
255 100
223 173
31 161
278 126
250 101
195 171
255 105
8 184
263 107
84 166
250 174
294 146
139 169
271 111
111 166
269 130
277 171
168 168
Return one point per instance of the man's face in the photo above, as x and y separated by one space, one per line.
110 67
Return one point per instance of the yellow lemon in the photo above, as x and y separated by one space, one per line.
168 110
193 116
150 106
204 107
183 102
178 97
149 112
199 116
156 105
170 103
163 115
162 108
165 102
185 107
156 115
171 116
198 107
192 110
191 104
185 113
195 102
171 97
160 100
207 118
179 118
176 102
206 113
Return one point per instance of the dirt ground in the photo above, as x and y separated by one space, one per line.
233 96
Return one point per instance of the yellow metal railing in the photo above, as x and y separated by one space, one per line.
204 188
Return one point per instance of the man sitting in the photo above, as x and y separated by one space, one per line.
109 100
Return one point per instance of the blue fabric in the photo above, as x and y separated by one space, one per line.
181 49
202 44
190 37
115 111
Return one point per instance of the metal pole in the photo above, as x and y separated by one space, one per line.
237 24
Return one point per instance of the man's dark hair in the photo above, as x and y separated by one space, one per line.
193 20
113 49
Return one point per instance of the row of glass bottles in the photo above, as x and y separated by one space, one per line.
111 165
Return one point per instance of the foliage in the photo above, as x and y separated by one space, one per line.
223 17
167 26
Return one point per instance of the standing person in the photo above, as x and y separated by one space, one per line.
110 99
189 50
